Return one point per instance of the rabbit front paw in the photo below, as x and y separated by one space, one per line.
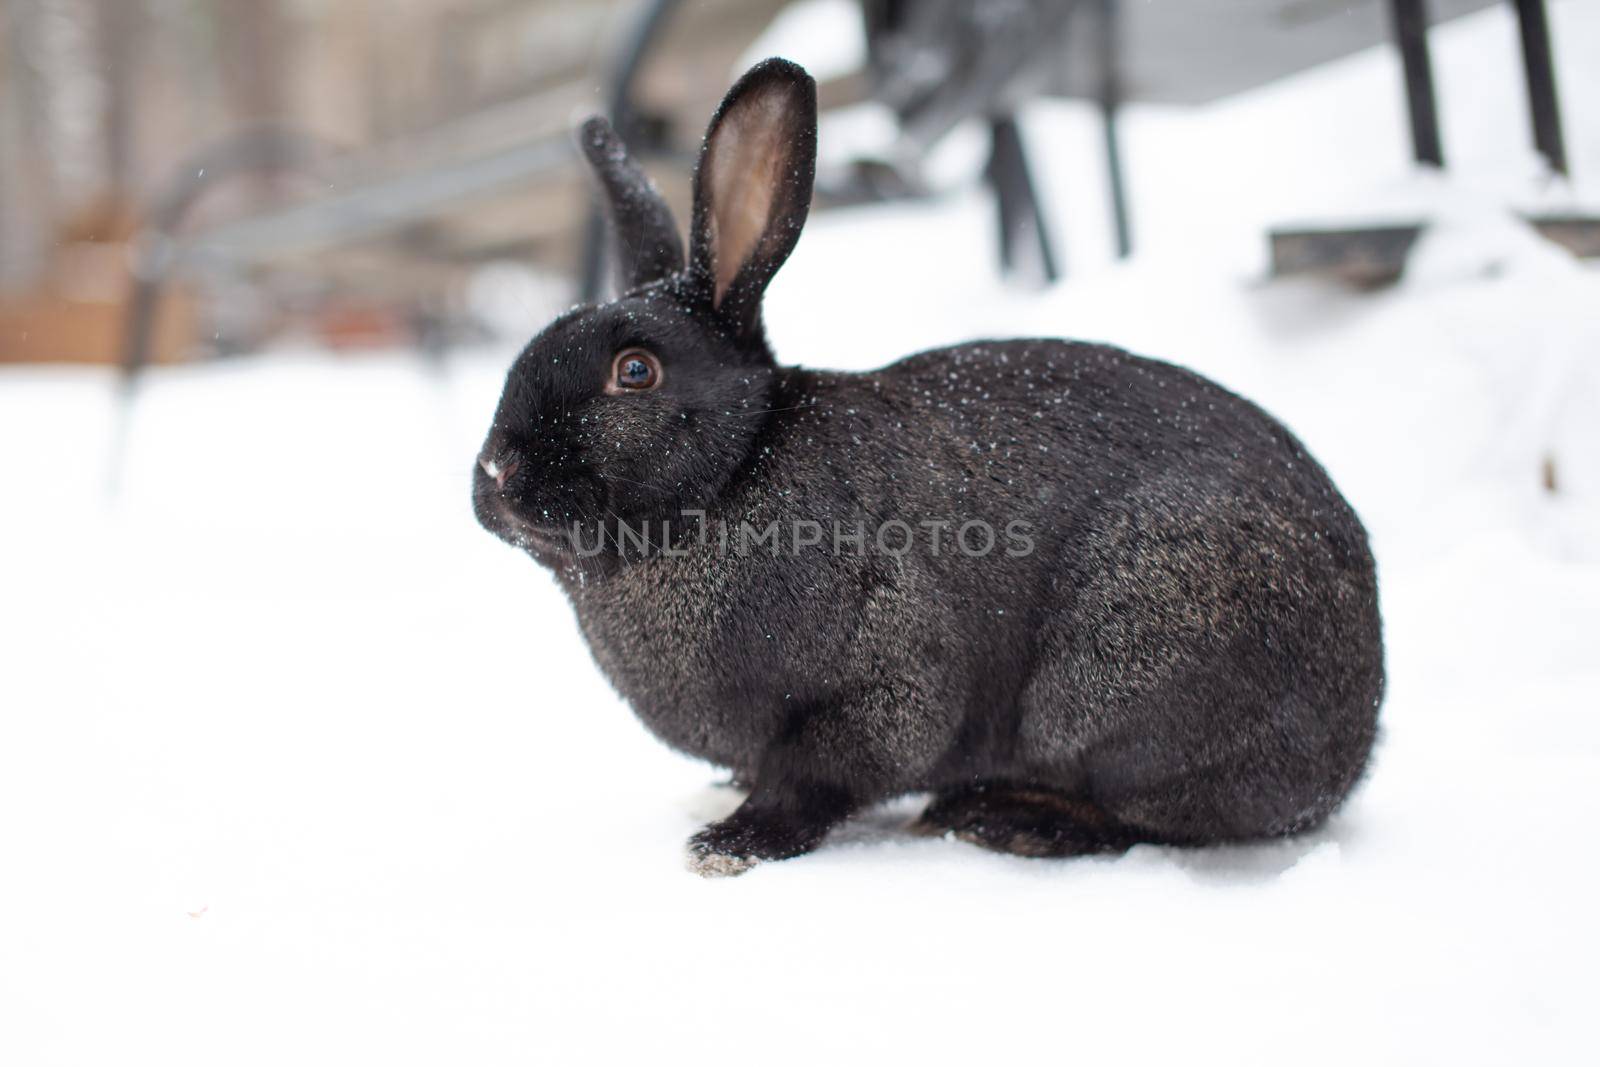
747 837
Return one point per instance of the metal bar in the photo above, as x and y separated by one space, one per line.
1110 103
1005 208
1020 217
262 149
386 205
1537 62
250 151
1410 19
642 37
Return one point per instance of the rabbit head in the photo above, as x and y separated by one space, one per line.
647 405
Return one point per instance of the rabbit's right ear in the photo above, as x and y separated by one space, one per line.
647 244
752 189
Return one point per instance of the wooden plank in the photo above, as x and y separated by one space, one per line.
1370 256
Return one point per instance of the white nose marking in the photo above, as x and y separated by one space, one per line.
494 470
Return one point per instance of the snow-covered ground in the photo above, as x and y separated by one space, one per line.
298 765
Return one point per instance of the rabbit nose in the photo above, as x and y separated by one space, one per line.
498 471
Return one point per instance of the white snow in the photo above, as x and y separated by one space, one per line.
299 765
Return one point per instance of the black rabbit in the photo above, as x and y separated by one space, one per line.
1085 599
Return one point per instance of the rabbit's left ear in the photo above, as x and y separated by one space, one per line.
752 188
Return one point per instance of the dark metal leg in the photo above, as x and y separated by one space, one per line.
592 271
253 151
1411 34
1018 202
647 27
1541 83
1110 103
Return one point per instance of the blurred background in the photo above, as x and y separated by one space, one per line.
342 171
293 755
336 170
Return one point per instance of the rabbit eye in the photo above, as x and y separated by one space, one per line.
634 370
